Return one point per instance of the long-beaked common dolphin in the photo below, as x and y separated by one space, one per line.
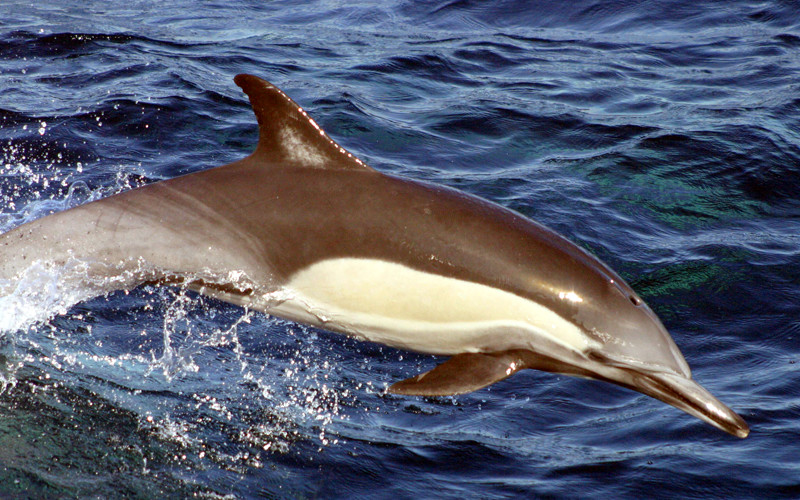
304 230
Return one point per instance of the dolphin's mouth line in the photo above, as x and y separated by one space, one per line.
672 388
677 391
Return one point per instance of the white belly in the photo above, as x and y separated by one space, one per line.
398 306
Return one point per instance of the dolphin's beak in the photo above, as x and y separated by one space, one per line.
687 395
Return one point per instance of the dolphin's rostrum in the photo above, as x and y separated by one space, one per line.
304 230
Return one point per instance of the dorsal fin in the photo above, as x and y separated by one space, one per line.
287 136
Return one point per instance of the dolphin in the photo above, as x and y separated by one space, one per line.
304 230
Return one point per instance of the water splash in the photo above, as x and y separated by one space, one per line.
41 292
177 358
207 378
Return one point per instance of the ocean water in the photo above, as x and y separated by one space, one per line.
663 136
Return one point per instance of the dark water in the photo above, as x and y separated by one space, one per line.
663 136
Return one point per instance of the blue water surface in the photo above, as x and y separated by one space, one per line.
664 136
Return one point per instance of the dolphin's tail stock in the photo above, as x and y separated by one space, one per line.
111 244
166 233
54 262
78 241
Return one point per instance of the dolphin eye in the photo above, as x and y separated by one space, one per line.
626 292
